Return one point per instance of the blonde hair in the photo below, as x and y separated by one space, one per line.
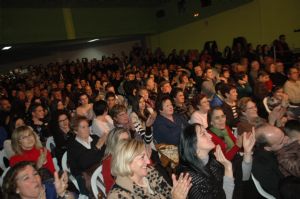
16 135
125 153
113 139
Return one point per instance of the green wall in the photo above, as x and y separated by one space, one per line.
260 21
22 25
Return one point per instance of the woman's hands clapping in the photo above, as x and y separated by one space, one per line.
248 144
42 158
181 186
226 163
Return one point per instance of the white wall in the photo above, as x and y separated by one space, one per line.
90 53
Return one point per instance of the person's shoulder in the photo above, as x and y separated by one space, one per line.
118 194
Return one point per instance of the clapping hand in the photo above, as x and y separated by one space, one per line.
248 141
226 163
181 186
42 158
248 144
61 183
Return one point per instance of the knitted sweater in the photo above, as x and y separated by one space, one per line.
32 155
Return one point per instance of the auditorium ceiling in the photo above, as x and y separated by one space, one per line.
82 3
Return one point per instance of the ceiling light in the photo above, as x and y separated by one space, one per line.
93 40
6 47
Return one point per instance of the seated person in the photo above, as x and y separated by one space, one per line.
28 147
103 123
85 153
222 134
134 178
113 139
212 175
229 106
288 156
291 86
62 133
23 181
167 125
201 105
269 140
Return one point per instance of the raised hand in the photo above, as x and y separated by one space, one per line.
226 163
248 141
61 183
181 186
151 119
42 158
248 144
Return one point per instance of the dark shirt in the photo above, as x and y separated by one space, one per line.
168 132
265 169
206 186
80 158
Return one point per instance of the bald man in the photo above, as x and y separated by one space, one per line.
269 139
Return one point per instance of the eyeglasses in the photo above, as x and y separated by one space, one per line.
63 120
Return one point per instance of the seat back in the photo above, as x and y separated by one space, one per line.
65 167
260 190
3 175
50 144
64 163
97 182
265 102
3 160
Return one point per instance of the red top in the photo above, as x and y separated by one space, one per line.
32 155
229 154
107 177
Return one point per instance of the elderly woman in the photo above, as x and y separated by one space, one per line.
167 126
112 141
23 181
201 105
248 115
28 147
222 134
134 179
85 152
212 176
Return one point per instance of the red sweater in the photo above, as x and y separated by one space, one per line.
107 177
229 154
32 155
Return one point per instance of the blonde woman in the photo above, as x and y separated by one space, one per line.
135 179
27 147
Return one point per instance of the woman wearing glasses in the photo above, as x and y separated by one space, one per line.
28 147
62 133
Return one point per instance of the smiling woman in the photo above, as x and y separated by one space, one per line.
23 181
28 147
135 179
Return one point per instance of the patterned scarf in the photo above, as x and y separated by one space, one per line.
223 134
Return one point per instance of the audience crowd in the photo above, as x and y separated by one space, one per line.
233 119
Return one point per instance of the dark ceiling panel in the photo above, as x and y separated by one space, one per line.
81 3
